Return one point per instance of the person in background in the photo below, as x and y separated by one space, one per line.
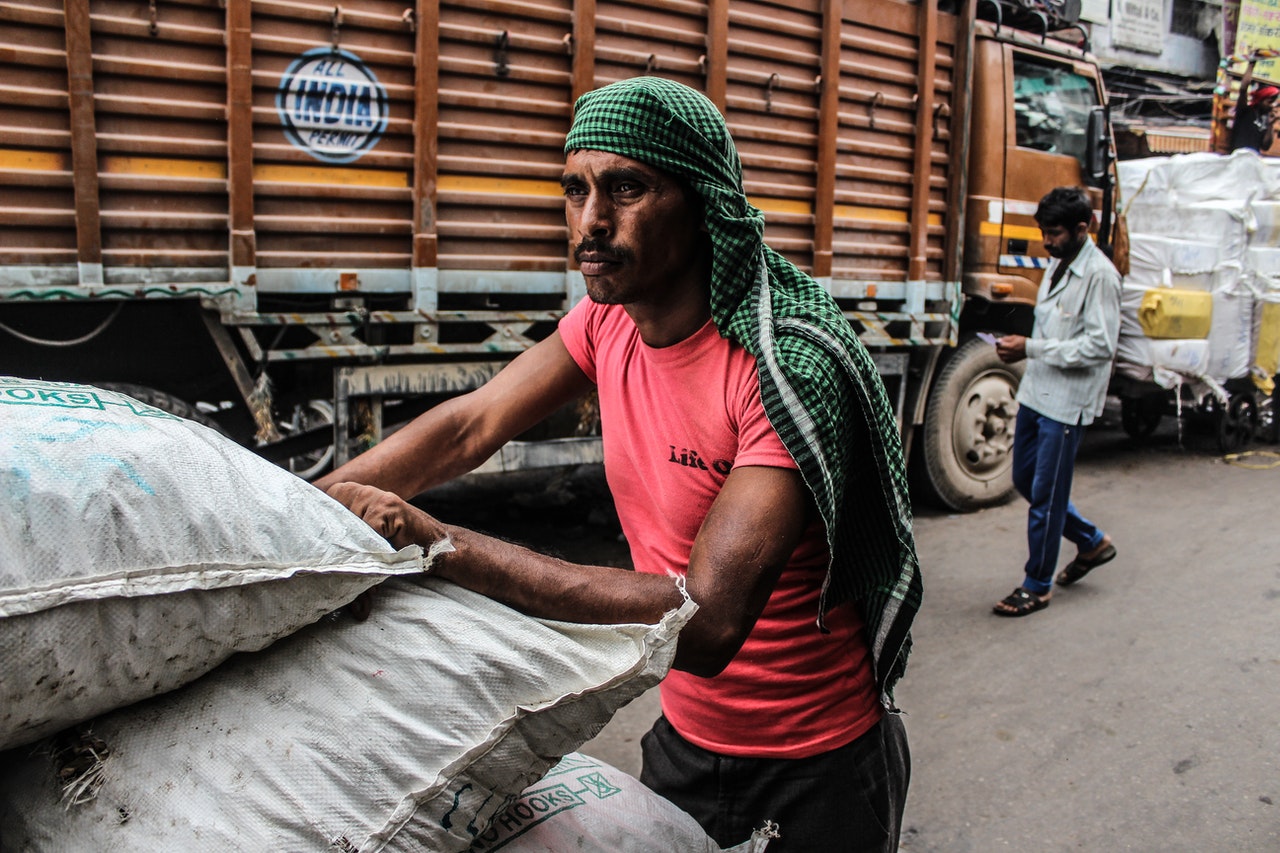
1254 123
755 463
1069 355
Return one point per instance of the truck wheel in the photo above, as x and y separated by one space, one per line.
1269 416
164 402
1237 423
309 415
1140 416
967 447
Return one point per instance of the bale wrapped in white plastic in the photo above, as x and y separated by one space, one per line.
1144 180
1266 217
1188 179
588 806
1225 222
1231 336
1190 357
138 550
1156 261
407 732
1263 263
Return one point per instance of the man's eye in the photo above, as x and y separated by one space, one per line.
572 191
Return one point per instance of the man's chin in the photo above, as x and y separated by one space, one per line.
602 297
602 290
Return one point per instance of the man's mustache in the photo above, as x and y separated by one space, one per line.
602 251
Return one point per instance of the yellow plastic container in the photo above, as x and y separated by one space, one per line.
1267 356
1168 312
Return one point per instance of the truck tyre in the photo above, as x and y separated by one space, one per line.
307 416
967 447
164 402
1140 416
1237 422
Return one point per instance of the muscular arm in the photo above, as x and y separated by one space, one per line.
744 543
458 435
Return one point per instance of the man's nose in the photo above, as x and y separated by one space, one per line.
597 214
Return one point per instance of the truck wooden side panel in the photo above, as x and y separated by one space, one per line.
361 201
287 208
279 145
37 205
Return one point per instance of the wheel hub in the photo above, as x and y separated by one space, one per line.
983 432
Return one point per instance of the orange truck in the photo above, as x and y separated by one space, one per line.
306 222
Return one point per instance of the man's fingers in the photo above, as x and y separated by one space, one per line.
347 494
362 607
380 510
388 514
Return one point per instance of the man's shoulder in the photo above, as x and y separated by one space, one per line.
1096 264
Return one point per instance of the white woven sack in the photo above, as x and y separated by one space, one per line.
1231 334
1156 261
1215 232
1144 181
138 550
407 732
588 806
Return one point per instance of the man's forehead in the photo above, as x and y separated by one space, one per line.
580 158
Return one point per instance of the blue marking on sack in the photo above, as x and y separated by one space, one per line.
128 470
331 105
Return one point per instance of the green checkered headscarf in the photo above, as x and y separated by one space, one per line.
819 386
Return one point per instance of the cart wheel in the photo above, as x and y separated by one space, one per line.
1269 417
1139 416
1237 423
314 413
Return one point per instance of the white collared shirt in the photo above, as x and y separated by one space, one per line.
1074 340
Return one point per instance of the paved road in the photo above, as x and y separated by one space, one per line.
1141 711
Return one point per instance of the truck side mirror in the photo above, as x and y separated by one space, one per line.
1097 154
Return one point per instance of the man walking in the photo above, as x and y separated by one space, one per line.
1069 353
1253 125
755 464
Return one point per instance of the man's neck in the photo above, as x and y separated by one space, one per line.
680 311
1066 261
665 325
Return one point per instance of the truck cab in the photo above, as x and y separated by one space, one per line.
1038 122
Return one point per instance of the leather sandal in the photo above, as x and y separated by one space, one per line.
1079 567
1020 603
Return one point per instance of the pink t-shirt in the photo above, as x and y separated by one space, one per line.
675 420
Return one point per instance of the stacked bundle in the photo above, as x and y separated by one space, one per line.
1204 236
139 551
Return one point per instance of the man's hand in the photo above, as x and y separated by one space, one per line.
390 515
1011 348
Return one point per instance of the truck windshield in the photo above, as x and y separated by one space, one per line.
1051 107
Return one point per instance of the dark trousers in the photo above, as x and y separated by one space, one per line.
1044 462
848 799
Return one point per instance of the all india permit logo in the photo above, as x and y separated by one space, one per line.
331 105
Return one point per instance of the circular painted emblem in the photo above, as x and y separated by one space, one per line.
331 105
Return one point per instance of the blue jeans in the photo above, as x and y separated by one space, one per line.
1044 459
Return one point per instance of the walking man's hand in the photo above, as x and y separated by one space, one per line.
1011 348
